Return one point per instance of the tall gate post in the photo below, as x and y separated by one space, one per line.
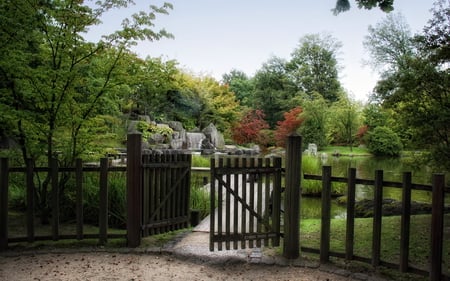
4 178
437 226
134 190
291 248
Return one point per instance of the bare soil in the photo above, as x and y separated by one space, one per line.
111 266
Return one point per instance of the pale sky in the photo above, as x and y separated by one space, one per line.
213 37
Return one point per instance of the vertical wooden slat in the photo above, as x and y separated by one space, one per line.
244 199
350 229
146 191
79 197
173 188
228 206
134 180
236 205
267 199
437 226
4 180
259 178
103 202
30 200
377 218
212 203
55 198
252 201
292 197
326 215
163 192
158 190
276 201
220 206
405 222
187 187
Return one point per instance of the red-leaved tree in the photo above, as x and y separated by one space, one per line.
248 130
290 124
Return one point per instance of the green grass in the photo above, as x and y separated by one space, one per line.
200 161
390 249
345 150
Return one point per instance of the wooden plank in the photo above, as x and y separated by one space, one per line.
405 222
103 202
244 199
252 202
326 215
158 190
79 197
259 197
55 198
30 200
276 201
134 186
146 190
350 227
212 193
267 198
236 205
219 206
4 181
437 226
377 218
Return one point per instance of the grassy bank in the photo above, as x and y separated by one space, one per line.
390 250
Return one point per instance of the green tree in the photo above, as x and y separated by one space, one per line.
273 90
55 82
384 142
241 85
314 68
345 121
314 126
418 89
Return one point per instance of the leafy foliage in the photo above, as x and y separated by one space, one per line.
290 124
249 129
384 142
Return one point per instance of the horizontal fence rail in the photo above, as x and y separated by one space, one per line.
78 173
438 190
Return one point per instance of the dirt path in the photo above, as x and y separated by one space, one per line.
110 266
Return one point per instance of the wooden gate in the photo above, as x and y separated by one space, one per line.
165 192
245 202
158 190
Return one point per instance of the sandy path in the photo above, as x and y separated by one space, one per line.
108 266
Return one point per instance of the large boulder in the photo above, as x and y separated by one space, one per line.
214 136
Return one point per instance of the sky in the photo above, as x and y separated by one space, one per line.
213 37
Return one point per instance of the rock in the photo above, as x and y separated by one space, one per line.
215 137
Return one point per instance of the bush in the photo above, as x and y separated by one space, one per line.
384 142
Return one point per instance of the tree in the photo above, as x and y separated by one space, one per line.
290 124
314 68
55 82
241 85
249 129
384 5
384 142
418 89
315 112
273 90
345 121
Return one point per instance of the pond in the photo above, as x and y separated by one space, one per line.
393 169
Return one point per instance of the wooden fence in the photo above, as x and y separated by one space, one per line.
438 190
78 172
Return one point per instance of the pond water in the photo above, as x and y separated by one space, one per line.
393 169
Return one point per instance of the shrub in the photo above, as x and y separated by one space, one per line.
384 142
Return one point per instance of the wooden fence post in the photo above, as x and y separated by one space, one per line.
4 179
377 218
30 199
437 226
79 197
405 222
54 169
350 226
103 202
134 186
326 215
291 248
